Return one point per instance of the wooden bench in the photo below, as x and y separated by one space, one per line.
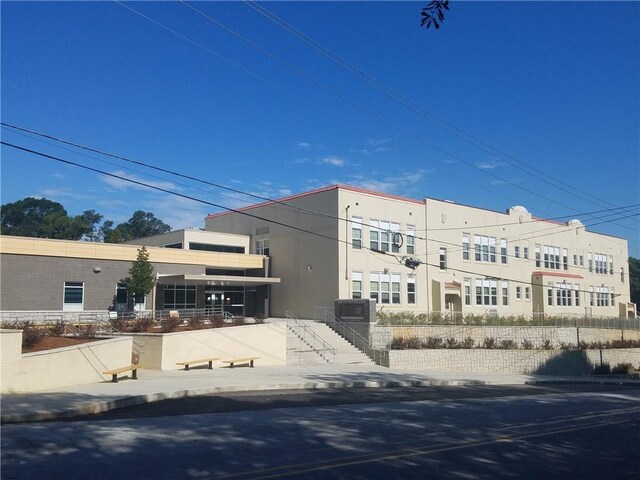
201 360
248 360
116 371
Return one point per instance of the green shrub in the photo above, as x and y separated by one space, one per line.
413 343
602 369
451 342
489 343
546 345
622 369
566 346
398 343
432 342
508 344
526 344
467 343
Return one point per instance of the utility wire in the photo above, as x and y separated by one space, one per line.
241 212
408 103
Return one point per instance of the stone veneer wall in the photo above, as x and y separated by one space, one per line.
381 336
541 362
60 367
161 351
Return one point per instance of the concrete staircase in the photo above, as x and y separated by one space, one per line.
299 350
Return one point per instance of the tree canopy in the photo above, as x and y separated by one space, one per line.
634 280
43 218
140 280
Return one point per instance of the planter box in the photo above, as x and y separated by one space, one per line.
161 351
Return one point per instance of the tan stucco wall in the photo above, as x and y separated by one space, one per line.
52 369
163 351
196 236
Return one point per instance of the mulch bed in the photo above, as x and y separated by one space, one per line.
48 343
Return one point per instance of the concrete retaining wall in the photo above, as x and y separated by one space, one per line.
162 351
60 367
381 336
542 362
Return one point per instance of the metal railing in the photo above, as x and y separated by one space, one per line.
316 343
351 335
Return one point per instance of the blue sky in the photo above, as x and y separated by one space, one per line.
553 85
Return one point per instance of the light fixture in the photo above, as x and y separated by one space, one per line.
308 268
97 269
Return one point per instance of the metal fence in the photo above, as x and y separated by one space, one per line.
316 343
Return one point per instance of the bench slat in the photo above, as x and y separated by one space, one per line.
248 360
202 360
114 372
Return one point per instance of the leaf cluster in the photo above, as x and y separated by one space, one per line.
433 13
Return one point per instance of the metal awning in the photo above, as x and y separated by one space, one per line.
217 280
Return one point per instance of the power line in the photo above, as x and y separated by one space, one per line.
350 102
408 103
241 212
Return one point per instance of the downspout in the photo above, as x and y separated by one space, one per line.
426 252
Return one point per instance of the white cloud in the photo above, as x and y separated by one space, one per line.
122 184
303 145
364 151
60 193
333 160
402 184
489 165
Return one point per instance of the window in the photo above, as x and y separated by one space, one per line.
537 253
551 257
565 259
356 284
374 235
526 253
582 260
385 289
622 274
411 290
411 240
610 265
443 258
374 287
576 294
590 262
395 235
516 251
73 296
505 293
208 247
395 288
485 248
179 296
518 293
563 294
486 292
613 303
385 236
591 295
262 247
550 295
575 260
465 246
122 295
467 291
527 293
356 233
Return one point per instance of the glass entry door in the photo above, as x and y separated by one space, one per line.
213 302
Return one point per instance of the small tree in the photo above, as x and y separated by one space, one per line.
140 280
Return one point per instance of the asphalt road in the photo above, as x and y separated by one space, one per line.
464 432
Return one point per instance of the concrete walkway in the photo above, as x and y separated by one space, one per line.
153 385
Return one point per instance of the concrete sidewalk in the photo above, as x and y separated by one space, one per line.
153 385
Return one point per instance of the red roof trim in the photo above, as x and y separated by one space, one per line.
319 190
556 274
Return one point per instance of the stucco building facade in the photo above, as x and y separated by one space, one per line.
348 242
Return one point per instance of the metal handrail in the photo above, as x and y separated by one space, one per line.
326 347
352 336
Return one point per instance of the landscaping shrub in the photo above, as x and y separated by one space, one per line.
398 343
451 342
32 334
602 369
526 344
413 342
118 323
467 343
238 321
142 324
489 343
565 346
87 331
195 322
57 328
217 320
169 324
622 369
432 342
546 345
260 319
508 345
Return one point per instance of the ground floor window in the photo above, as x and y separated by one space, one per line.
384 288
356 285
179 296
73 296
411 290
486 292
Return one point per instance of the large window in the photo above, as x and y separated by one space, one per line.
505 293
374 234
411 240
356 233
395 288
537 254
411 290
551 257
73 296
385 236
443 258
465 246
207 247
503 250
485 248
374 287
179 296
395 235
565 259
486 292
356 284
384 288
262 246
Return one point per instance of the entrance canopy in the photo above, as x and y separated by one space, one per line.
217 280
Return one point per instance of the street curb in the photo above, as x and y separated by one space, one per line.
103 406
